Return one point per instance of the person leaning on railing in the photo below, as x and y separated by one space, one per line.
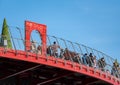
39 49
77 58
115 70
102 63
33 47
54 49
62 53
49 51
94 62
90 62
85 59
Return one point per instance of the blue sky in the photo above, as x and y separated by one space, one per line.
95 23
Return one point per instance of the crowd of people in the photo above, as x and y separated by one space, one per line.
86 59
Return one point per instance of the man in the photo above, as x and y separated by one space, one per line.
54 48
85 59
33 47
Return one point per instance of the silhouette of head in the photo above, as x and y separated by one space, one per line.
90 53
54 42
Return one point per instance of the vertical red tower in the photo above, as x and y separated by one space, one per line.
29 27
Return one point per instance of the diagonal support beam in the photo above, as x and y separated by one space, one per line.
56 78
31 68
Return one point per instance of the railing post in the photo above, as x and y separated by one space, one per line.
48 39
12 39
21 35
80 48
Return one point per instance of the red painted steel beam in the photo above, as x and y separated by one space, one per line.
53 79
14 74
87 81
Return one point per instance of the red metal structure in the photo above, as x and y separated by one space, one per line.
22 67
29 27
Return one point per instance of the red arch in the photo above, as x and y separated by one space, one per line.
29 27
